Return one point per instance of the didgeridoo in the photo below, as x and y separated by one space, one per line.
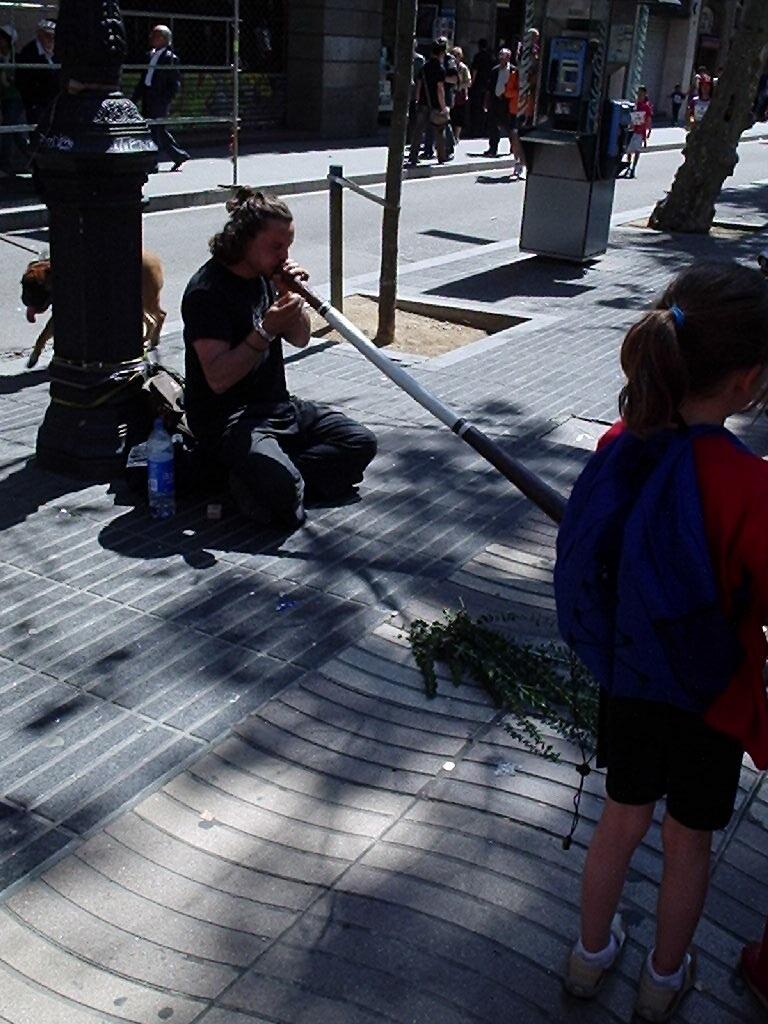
540 493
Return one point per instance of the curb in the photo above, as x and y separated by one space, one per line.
36 216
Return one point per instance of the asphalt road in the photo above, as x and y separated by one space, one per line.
440 216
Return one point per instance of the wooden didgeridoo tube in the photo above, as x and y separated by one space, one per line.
532 486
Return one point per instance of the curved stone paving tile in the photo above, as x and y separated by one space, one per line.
354 854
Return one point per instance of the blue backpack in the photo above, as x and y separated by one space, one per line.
637 598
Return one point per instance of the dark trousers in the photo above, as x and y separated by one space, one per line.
326 454
161 137
429 139
498 122
478 119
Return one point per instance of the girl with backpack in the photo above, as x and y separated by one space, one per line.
661 584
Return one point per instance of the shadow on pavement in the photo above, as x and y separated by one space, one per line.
535 277
12 383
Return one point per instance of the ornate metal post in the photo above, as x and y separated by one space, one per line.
528 68
93 160
601 19
635 76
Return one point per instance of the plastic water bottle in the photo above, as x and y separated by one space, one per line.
160 485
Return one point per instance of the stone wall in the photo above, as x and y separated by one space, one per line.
333 66
475 19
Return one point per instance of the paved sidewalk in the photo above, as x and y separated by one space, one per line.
227 799
290 167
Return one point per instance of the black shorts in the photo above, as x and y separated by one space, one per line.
653 750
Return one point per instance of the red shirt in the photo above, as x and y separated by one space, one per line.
734 495
643 127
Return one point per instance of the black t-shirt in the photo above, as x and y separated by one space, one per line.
432 74
222 305
482 63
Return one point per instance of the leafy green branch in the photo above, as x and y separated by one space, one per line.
537 686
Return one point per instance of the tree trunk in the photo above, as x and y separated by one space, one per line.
406 27
710 152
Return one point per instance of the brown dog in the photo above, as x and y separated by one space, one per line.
36 296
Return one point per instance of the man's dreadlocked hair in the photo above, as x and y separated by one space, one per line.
249 212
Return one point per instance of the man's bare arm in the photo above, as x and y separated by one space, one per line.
223 366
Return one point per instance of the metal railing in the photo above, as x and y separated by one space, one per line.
336 185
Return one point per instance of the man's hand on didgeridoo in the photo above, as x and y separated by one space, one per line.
287 275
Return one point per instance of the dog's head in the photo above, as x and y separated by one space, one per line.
36 288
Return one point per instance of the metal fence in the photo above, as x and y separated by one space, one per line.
216 105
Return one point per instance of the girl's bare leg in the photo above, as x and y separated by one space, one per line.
682 892
619 831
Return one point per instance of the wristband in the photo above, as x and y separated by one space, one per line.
260 329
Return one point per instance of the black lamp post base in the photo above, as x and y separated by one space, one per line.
91 444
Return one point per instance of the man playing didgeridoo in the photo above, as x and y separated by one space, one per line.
237 310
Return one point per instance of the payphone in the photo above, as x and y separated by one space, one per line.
566 76
575 138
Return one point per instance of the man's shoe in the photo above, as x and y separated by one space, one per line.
247 503
180 161
291 520
584 980
750 972
490 152
657 1003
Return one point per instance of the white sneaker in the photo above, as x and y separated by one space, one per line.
584 980
657 1003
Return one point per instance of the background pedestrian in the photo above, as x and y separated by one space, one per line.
156 90
38 88
461 94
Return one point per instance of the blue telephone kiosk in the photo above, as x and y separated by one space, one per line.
566 74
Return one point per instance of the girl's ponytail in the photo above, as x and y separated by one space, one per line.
657 377
711 321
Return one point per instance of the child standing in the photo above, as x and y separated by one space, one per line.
642 122
662 589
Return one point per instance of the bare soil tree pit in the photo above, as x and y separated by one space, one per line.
415 333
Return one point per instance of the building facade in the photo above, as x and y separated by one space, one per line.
339 51
320 67
678 43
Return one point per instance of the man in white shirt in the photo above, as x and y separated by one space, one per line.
156 90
